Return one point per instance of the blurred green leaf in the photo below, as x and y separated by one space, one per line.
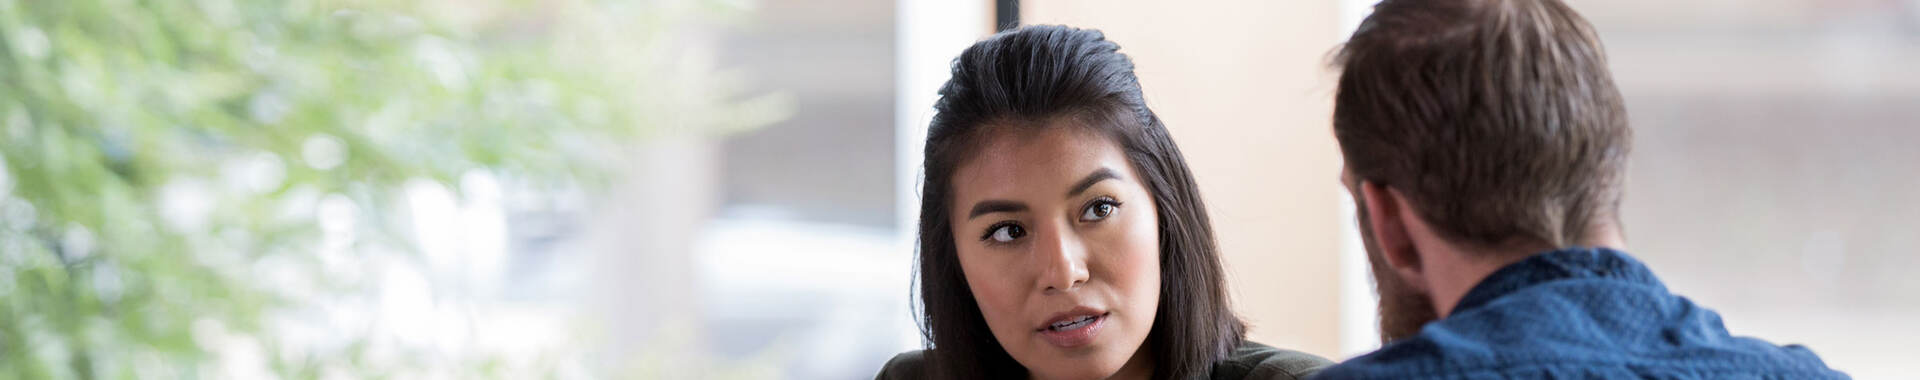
158 152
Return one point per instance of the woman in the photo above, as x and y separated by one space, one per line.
1061 234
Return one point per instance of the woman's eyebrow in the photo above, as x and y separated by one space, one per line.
1098 175
994 205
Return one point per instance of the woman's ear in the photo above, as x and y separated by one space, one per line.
1386 219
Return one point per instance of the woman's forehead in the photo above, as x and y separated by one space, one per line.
1043 160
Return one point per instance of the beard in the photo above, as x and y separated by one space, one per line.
1403 308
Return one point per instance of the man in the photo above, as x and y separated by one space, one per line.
1485 145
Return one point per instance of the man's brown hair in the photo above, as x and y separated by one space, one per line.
1497 119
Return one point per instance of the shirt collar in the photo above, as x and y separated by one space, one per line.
1564 264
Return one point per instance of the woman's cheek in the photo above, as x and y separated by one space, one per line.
1144 240
1141 261
995 291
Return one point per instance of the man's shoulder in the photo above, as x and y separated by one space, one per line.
1423 358
1538 334
1259 361
906 365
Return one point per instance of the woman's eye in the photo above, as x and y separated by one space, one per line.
1099 210
1006 233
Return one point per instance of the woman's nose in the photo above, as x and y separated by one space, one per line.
1063 261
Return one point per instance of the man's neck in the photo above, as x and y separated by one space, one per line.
1459 273
1462 268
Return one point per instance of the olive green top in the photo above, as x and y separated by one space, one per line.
1252 361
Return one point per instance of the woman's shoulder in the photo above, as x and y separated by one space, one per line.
1259 361
1249 361
906 365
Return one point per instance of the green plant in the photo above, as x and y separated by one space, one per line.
167 161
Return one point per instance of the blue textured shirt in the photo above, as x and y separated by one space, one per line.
1580 314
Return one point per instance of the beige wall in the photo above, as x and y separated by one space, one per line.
1242 87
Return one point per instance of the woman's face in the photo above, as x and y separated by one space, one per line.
1060 244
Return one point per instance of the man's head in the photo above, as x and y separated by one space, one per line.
1475 132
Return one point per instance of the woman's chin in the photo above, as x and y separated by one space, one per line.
1076 371
1086 362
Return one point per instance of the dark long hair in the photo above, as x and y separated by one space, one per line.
1021 79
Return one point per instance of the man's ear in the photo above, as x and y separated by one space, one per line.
1386 219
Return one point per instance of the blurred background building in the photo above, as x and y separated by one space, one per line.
763 229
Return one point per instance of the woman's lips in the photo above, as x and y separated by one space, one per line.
1073 329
